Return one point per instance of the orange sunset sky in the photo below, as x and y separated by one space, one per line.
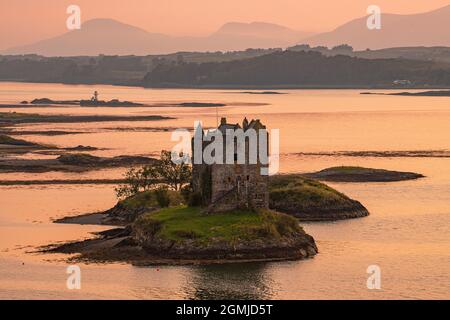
26 21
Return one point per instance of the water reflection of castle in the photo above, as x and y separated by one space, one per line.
229 282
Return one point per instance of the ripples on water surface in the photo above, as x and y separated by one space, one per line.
407 234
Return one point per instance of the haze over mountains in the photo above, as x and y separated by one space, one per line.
110 37
423 29
107 36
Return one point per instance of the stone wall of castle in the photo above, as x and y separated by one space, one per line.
238 186
225 187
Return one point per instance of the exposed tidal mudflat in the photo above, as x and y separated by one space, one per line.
407 233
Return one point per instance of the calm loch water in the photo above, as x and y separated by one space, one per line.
407 234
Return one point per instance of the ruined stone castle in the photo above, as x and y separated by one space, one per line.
237 184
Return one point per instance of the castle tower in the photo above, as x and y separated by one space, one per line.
225 186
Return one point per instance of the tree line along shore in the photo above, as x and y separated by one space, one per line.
299 67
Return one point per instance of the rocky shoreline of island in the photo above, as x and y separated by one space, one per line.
117 246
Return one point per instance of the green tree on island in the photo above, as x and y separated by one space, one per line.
163 174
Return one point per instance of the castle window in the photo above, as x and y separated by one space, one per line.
248 178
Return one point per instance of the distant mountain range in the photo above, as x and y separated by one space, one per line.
110 37
423 29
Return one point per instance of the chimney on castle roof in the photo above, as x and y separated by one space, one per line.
223 121
245 123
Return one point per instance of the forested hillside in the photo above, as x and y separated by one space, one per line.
300 69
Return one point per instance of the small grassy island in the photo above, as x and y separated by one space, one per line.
360 174
311 200
187 232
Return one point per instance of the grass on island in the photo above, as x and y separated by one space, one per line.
305 191
302 190
291 194
148 199
182 223
297 194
